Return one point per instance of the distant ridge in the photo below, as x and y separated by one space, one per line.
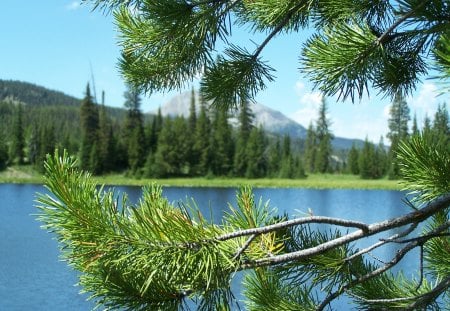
271 120
32 94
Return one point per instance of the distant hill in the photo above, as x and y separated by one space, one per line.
271 120
32 94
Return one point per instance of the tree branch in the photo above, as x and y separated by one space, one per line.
400 254
413 217
386 35
294 222
382 242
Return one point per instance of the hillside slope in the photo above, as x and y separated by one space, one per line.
32 94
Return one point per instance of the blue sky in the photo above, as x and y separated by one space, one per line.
55 43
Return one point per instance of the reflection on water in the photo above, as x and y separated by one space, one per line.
32 277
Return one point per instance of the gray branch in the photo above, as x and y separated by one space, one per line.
413 217
294 222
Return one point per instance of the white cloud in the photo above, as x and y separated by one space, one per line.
361 125
74 5
425 102
309 102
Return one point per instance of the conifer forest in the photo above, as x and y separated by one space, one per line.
35 121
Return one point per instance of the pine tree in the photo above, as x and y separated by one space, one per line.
222 140
381 159
161 164
192 154
256 166
89 129
202 145
311 149
398 131
324 136
134 136
353 162
17 152
156 126
245 127
367 160
274 158
441 123
3 152
34 144
415 127
106 146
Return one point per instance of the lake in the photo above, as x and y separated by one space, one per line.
33 278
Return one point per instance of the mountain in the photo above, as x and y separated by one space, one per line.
271 120
32 94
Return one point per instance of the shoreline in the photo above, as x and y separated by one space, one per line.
16 175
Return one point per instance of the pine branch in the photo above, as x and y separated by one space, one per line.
418 301
382 242
294 222
414 217
399 256
386 35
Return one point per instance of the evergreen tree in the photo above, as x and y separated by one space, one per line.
426 125
161 164
353 160
192 154
134 137
3 153
202 146
256 166
311 149
17 152
181 145
274 158
89 129
106 148
192 112
415 127
381 159
398 131
324 136
441 123
34 145
222 140
367 160
245 127
155 129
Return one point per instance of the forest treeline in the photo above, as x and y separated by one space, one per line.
108 140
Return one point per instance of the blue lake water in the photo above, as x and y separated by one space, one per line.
33 278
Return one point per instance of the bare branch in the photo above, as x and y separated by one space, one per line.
382 242
294 222
245 246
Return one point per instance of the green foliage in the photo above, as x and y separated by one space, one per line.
353 163
425 166
34 95
3 153
398 131
17 152
89 130
127 253
357 44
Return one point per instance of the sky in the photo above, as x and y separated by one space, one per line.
63 45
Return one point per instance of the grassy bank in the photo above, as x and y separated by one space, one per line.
25 174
